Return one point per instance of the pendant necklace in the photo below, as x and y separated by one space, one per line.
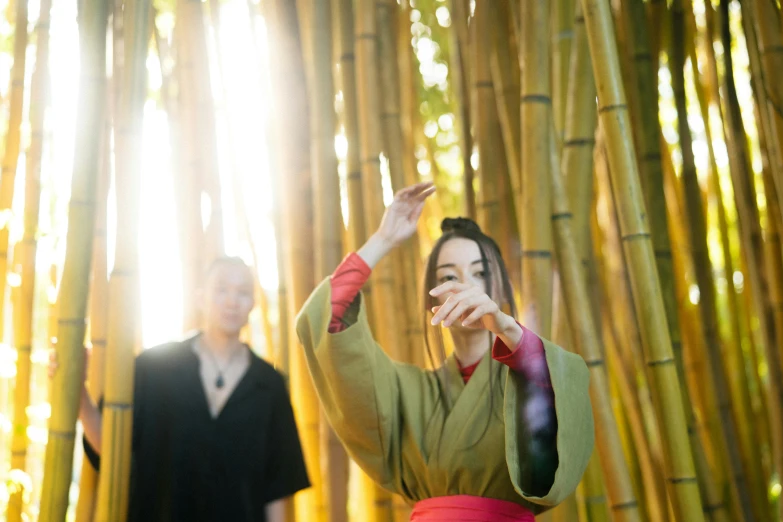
220 381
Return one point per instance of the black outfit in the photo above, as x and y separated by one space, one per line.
190 467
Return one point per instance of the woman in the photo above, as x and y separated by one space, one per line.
502 430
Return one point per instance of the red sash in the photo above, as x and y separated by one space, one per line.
466 508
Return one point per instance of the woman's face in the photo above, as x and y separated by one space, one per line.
459 260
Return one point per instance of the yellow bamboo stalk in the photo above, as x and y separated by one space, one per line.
460 81
124 327
25 250
622 500
752 242
342 21
536 117
404 258
704 276
490 202
198 168
292 136
768 73
72 299
625 353
562 36
98 305
613 114
738 380
12 145
380 290
768 131
99 302
316 32
505 75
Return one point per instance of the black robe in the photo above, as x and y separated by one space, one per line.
188 466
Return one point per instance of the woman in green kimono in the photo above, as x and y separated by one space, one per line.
501 430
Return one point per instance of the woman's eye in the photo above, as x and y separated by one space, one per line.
446 279
481 273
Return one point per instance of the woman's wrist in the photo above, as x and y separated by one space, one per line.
375 249
511 332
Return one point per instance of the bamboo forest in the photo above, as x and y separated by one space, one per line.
626 155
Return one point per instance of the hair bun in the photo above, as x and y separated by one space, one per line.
459 224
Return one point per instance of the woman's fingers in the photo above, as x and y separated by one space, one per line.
479 312
464 306
452 302
415 190
449 286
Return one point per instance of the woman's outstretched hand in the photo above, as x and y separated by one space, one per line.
398 223
400 219
473 308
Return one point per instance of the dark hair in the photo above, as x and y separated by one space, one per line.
225 261
496 281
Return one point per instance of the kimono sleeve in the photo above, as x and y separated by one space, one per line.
575 432
357 384
286 472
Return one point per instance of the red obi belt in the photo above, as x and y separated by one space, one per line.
466 508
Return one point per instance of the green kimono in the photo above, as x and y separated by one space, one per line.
393 420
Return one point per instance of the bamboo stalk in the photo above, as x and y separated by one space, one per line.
25 250
380 290
292 131
72 298
11 158
387 13
490 203
768 71
614 118
459 76
505 77
562 38
704 276
625 353
536 120
734 357
199 243
622 500
124 326
343 44
316 31
773 167
752 243
99 302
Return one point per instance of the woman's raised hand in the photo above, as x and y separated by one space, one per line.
400 219
472 307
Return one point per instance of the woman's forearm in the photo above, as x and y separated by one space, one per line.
374 250
90 417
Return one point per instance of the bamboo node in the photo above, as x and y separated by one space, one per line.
63 435
546 254
714 507
579 142
536 98
660 362
682 480
562 215
119 405
625 505
594 362
614 107
637 235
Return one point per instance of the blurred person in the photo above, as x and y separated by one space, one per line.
214 436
